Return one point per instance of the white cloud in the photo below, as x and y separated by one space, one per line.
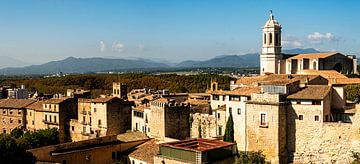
102 46
292 42
318 37
119 47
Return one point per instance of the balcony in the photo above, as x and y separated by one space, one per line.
48 122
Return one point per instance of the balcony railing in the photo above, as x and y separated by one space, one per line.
48 122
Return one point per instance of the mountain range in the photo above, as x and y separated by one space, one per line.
97 64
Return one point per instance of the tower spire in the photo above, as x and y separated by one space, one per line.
271 15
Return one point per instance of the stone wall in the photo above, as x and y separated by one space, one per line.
327 142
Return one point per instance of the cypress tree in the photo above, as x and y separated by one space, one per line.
229 130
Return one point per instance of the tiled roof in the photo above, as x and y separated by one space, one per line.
222 108
131 136
38 105
324 73
196 102
311 92
344 81
103 100
140 108
15 103
198 144
146 151
162 100
313 55
249 80
55 100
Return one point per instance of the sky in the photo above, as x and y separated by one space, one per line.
37 31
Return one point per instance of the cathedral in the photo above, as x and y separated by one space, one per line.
273 61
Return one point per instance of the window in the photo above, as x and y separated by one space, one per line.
99 122
276 39
4 111
83 119
301 117
230 109
30 113
32 122
4 130
223 97
55 119
50 106
220 130
316 118
216 97
234 98
11 111
270 38
298 102
239 111
45 105
45 117
316 102
11 120
219 115
50 118
148 129
113 155
94 109
19 121
19 111
4 120
72 128
263 120
133 162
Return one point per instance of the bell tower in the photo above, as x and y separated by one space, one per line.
271 47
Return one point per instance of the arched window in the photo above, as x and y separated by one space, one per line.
276 39
314 65
264 38
270 38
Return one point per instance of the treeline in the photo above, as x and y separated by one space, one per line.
102 83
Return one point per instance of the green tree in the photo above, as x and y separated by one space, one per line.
12 153
44 137
229 130
17 132
250 157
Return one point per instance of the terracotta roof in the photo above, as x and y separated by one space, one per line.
131 136
196 102
146 151
344 81
198 144
15 103
324 73
249 80
162 100
140 108
55 100
38 105
311 92
244 91
313 55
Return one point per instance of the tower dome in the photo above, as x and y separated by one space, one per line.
271 22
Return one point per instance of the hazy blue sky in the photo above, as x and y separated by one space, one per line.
43 30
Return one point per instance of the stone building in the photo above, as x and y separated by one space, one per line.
272 60
13 114
106 150
100 117
119 90
168 119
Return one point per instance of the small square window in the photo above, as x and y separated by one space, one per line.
301 117
317 118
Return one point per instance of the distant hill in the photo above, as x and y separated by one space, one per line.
241 61
6 61
85 65
82 65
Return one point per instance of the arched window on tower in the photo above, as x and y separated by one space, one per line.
264 38
276 39
270 38
314 65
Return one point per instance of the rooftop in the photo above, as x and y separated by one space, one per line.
56 100
311 92
241 91
328 74
146 151
313 55
38 105
198 144
15 103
